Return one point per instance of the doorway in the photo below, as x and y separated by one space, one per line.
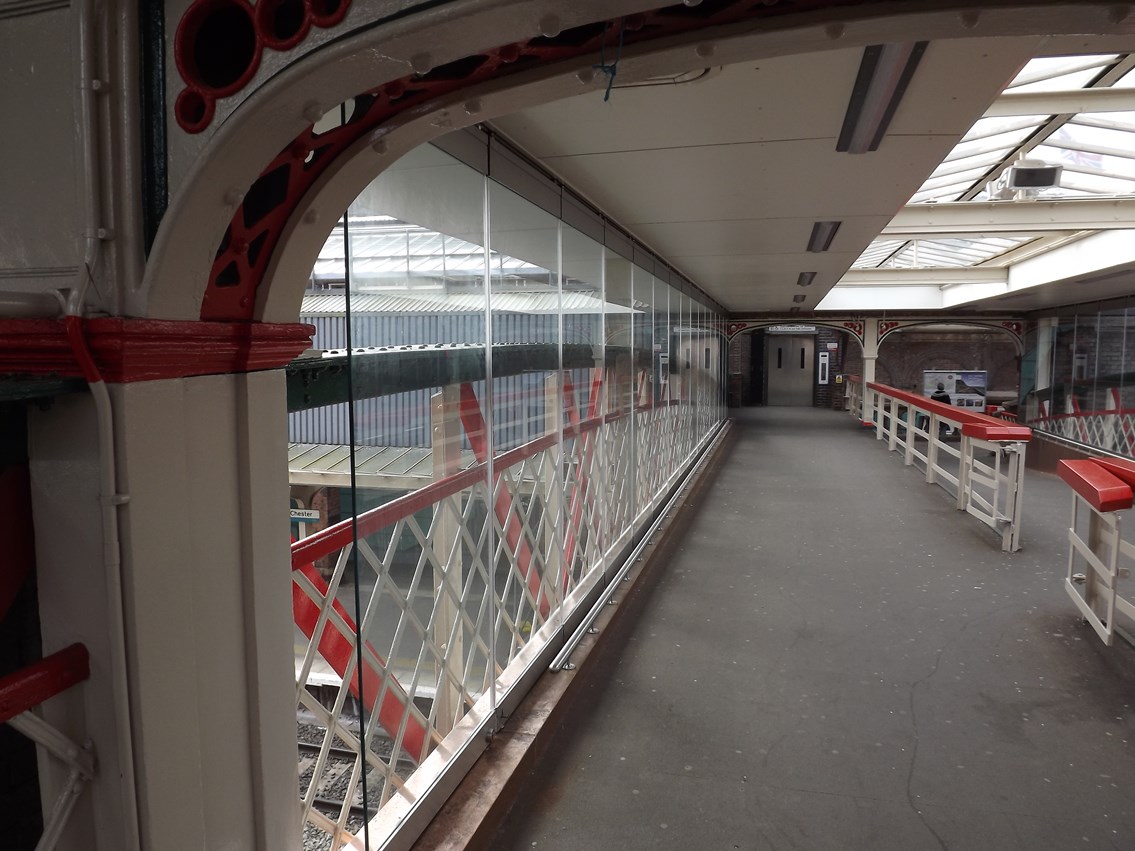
789 363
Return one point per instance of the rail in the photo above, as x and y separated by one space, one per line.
1098 557
984 469
23 691
469 585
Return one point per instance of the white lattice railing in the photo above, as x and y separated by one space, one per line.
463 588
1113 431
985 469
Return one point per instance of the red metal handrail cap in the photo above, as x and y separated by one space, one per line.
1097 486
1120 468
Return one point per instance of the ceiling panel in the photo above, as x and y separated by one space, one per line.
723 177
754 236
786 179
748 102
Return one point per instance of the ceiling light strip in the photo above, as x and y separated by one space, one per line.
884 74
822 235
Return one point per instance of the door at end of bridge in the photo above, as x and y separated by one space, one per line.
789 365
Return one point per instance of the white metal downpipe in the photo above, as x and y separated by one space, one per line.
109 497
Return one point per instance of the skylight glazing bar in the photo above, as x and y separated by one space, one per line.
998 126
1044 69
1003 146
964 178
962 167
1091 120
1087 148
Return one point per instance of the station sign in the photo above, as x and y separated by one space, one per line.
791 329
304 515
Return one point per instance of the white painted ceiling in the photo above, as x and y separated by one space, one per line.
725 176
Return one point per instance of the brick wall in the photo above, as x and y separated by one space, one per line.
740 353
905 354
825 393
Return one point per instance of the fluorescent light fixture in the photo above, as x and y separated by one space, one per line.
884 73
799 297
822 235
805 279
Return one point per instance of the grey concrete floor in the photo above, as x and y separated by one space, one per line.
837 659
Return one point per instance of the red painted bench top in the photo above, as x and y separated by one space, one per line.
1102 490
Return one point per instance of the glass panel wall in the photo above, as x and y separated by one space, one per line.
585 473
642 365
526 406
619 326
1076 377
499 405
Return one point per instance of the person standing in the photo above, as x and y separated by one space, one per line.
940 395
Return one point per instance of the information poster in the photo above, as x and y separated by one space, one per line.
966 387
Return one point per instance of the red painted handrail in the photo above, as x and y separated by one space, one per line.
973 424
31 686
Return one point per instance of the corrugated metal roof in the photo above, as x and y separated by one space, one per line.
334 304
385 467
393 467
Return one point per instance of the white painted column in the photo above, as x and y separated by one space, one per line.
63 462
870 348
1045 338
206 587
870 356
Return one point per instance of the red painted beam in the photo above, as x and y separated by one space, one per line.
477 431
339 651
1097 486
127 350
28 688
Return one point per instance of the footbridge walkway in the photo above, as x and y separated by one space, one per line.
835 657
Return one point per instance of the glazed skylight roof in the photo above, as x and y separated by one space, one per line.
386 253
936 253
1096 150
993 142
966 237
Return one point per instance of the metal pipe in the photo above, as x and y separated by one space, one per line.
88 155
32 305
109 498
